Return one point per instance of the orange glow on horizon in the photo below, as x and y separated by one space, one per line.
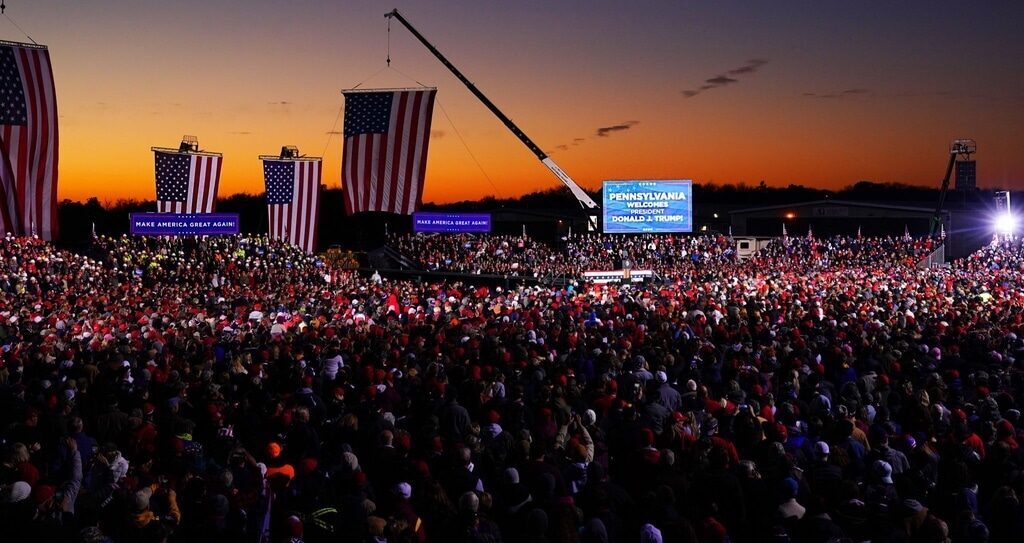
824 108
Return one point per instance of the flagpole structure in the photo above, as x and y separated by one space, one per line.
292 192
187 178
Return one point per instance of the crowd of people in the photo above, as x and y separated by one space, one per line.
235 389
848 251
524 256
668 255
482 254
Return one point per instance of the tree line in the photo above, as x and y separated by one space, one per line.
77 220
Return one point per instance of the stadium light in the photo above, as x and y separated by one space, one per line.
790 215
1006 224
1005 220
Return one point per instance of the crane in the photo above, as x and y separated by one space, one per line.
960 147
584 199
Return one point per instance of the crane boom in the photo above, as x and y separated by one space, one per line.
581 196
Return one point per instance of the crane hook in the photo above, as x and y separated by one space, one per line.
2 6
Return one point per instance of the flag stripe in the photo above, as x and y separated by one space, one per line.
421 150
349 191
397 113
314 206
297 226
48 186
387 135
216 185
403 135
377 171
30 196
196 186
392 149
364 168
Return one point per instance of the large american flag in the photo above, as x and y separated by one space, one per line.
293 200
385 156
28 141
186 182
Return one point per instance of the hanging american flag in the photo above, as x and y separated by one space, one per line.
293 200
186 182
385 153
28 141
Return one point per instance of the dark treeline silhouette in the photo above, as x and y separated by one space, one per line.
368 230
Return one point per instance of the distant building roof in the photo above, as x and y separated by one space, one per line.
846 203
498 214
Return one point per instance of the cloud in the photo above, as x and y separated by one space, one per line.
333 132
577 141
604 131
730 77
750 67
718 82
240 133
280 103
436 134
841 94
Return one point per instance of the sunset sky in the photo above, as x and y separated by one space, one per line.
816 93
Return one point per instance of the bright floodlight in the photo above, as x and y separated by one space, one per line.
1006 224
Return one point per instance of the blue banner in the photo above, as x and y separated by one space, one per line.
635 207
184 224
451 222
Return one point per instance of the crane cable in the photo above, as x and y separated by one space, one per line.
454 129
446 116
468 150
334 127
3 7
